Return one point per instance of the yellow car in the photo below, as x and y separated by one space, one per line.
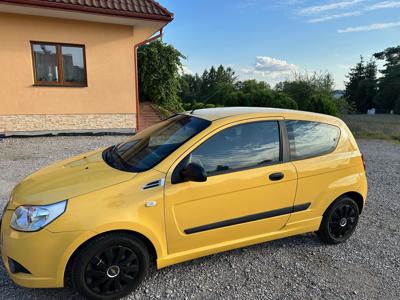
198 183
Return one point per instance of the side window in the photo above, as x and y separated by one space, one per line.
239 147
310 139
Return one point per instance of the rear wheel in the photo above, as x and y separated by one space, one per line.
339 221
110 266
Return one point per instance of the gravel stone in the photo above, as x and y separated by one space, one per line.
301 267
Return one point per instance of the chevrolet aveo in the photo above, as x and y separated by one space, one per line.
197 183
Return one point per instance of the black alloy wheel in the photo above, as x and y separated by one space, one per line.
343 221
339 221
110 266
112 270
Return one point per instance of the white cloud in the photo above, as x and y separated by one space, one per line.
328 7
267 69
186 70
334 17
384 4
376 26
269 64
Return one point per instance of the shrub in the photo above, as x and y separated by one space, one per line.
284 101
322 104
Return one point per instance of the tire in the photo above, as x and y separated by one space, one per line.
339 221
110 266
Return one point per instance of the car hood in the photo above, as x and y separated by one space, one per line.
67 179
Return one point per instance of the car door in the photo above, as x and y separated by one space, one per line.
250 188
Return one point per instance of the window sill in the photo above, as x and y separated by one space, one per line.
60 85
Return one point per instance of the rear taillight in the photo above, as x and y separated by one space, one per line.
363 161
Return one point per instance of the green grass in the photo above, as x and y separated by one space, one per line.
385 127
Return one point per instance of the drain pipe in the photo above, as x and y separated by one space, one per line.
136 72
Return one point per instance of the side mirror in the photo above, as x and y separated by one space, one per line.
194 172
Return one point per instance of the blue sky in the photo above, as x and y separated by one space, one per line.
270 39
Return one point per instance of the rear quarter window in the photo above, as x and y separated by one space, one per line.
310 139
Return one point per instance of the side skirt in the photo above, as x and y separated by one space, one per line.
290 229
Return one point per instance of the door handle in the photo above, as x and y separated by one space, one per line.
276 176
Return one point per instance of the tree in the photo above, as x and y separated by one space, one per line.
219 87
361 88
259 93
158 74
311 92
322 103
190 88
355 77
388 95
281 100
213 86
252 93
299 90
370 84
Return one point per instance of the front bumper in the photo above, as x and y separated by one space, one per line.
44 254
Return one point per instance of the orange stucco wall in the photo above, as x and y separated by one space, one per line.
109 62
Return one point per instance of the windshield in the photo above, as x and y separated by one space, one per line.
150 146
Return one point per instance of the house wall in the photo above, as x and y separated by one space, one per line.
107 102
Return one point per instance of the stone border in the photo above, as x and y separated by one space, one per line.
82 132
49 124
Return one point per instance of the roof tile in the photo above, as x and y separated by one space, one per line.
129 8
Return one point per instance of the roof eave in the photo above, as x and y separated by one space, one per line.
92 10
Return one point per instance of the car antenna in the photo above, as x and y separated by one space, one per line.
192 111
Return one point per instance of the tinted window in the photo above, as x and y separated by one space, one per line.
152 145
308 139
239 147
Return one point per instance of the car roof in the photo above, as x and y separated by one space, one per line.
213 114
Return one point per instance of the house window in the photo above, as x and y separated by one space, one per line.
59 64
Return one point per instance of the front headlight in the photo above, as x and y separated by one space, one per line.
34 218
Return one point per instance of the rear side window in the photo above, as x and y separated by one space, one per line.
239 147
310 139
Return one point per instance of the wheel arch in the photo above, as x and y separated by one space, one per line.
357 197
147 242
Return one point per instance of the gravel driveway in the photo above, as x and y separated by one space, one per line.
301 267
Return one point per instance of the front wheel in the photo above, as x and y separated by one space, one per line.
110 266
339 221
